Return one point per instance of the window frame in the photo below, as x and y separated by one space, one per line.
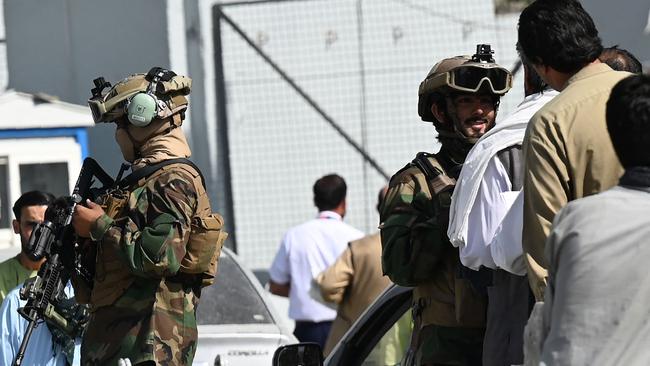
21 151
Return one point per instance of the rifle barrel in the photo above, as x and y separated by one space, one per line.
28 334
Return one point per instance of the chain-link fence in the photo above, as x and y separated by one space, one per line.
320 86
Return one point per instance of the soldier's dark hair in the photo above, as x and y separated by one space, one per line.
628 120
621 59
559 34
329 192
440 101
31 198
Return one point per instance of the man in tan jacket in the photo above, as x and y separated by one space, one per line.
567 151
353 281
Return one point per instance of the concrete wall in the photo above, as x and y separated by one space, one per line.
59 46
624 23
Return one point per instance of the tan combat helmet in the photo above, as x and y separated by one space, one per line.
462 74
162 92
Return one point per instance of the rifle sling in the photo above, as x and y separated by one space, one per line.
148 170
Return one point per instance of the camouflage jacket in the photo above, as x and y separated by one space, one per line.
416 251
137 310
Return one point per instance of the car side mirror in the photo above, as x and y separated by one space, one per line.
301 354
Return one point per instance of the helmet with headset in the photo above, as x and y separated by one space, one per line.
140 98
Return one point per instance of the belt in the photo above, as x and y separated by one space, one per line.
309 322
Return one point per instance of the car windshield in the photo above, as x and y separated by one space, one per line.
232 299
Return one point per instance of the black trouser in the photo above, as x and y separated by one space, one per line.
317 332
509 305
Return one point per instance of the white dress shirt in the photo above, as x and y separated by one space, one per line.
483 194
507 252
493 200
306 251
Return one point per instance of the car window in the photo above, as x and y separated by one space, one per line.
366 343
232 299
392 346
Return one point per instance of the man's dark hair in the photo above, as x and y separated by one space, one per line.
535 83
31 198
329 192
628 120
621 59
559 34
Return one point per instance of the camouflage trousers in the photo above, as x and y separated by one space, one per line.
450 346
146 324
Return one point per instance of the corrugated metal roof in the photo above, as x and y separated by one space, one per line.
22 110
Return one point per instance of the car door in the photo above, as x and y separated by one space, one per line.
381 336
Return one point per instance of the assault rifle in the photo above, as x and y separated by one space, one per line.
55 240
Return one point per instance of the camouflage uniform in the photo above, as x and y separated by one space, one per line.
414 225
139 308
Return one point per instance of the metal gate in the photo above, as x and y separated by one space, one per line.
312 87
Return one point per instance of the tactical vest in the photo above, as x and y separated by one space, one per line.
441 296
199 265
414 265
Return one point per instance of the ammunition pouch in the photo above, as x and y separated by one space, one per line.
204 247
114 202
428 243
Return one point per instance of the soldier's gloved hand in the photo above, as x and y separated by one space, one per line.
84 217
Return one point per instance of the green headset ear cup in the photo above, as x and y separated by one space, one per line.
141 109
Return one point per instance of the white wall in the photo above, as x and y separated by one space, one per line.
60 46
626 23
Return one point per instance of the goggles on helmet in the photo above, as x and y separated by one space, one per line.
107 102
471 78
97 108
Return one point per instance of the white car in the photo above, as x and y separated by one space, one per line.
236 322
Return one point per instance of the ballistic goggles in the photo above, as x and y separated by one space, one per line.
472 77
107 103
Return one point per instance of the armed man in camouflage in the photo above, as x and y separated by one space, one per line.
460 95
154 242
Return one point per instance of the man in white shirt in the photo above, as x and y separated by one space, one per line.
489 182
308 249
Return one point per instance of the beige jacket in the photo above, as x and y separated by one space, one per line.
568 155
353 282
